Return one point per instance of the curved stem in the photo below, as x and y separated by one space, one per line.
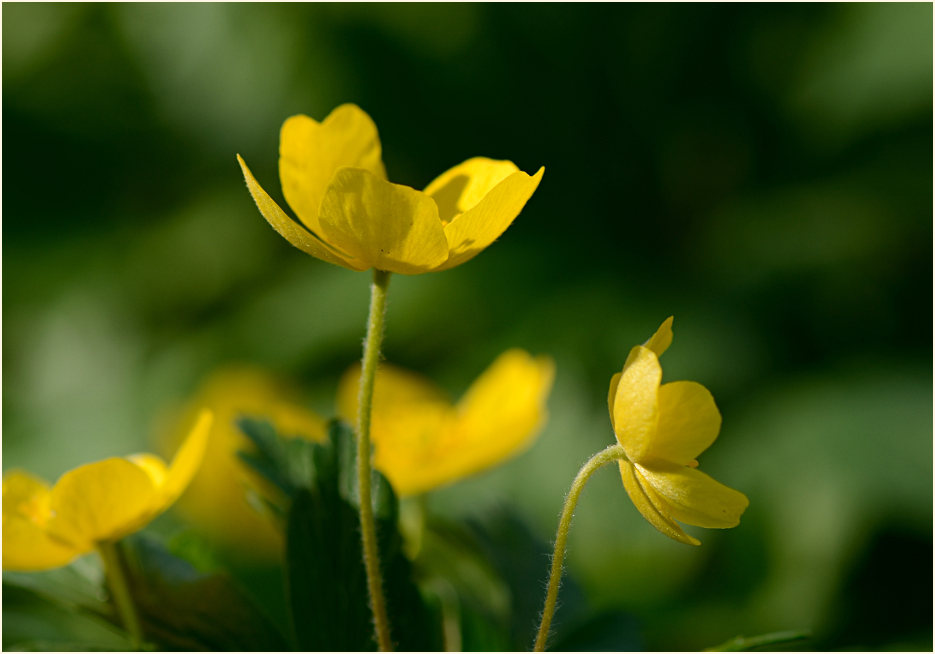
120 593
612 453
368 536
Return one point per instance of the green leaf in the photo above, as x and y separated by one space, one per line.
326 579
779 640
34 619
183 608
76 586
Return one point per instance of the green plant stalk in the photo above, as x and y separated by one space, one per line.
368 536
612 453
120 593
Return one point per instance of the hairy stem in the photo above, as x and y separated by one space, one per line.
381 624
612 453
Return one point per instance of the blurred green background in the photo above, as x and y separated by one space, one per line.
762 172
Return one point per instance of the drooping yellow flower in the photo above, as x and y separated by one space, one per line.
422 441
217 504
100 502
333 177
662 429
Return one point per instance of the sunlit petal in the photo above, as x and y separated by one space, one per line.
462 187
100 501
635 404
27 546
385 226
311 152
688 423
153 466
695 498
662 339
26 495
648 509
187 460
612 395
216 501
292 231
422 442
501 413
394 390
472 231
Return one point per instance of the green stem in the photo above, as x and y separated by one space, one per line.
381 623
612 453
120 593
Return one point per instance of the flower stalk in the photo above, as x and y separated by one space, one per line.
612 453
120 593
374 338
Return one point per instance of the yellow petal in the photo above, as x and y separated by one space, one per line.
408 447
635 404
644 504
409 414
497 418
659 342
421 442
688 423
187 460
292 231
216 500
460 188
394 390
26 495
612 395
27 547
501 413
695 498
662 339
152 465
296 421
383 225
311 152
100 501
479 226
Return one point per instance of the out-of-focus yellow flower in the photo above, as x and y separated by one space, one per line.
96 503
333 177
422 441
218 503
662 428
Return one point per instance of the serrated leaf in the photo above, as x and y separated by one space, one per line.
326 579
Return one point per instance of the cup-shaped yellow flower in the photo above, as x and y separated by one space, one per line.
423 441
660 429
333 177
217 504
94 504
663 428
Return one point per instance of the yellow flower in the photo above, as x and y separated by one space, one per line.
96 503
333 178
662 428
218 504
422 441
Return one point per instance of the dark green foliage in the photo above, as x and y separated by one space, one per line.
325 576
182 608
780 641
522 560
